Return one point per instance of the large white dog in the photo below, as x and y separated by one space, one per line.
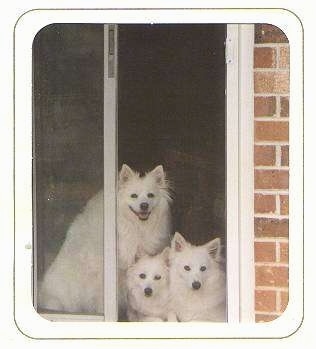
74 281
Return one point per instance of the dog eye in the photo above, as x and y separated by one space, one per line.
150 195
134 196
142 276
157 277
203 268
187 268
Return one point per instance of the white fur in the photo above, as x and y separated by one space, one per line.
74 282
154 307
208 303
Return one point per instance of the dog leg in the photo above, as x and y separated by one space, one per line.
132 314
172 317
151 318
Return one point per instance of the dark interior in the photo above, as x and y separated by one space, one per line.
68 127
171 111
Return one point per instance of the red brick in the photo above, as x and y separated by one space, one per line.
271 227
284 252
271 179
265 57
271 131
272 82
272 276
265 106
284 300
267 33
265 318
284 101
284 61
265 251
285 155
264 155
265 300
284 204
265 203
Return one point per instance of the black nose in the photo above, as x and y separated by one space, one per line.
196 285
148 291
144 206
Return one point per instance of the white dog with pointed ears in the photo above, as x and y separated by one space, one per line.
148 288
197 281
74 282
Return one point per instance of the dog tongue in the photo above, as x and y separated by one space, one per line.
143 215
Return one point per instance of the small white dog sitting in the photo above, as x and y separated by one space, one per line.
148 288
197 282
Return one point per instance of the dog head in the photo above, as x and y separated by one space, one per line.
139 196
149 276
193 264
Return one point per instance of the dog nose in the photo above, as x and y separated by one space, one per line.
144 206
196 285
148 291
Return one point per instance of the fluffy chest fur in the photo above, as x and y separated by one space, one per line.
144 308
205 304
148 237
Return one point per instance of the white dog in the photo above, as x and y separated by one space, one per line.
197 281
74 281
148 288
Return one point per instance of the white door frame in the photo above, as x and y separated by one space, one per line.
240 180
246 173
110 170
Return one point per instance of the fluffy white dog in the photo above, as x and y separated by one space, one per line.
74 281
148 288
197 282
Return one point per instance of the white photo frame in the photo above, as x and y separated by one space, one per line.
28 321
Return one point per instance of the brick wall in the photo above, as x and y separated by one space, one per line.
271 117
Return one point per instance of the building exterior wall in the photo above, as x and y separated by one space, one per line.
271 171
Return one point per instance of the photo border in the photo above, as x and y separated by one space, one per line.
281 18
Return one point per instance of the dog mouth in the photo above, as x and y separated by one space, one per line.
142 215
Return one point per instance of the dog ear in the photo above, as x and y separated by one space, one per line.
178 242
125 174
214 248
165 255
159 174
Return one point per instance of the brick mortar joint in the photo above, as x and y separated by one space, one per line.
277 167
272 118
271 216
279 239
272 288
261 312
271 70
272 143
271 44
272 264
278 302
272 94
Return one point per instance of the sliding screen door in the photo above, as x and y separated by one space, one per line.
68 85
143 95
